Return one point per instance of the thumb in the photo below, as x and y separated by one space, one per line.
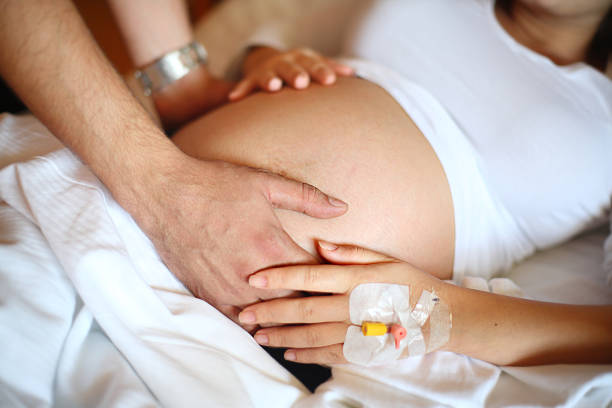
301 197
242 89
350 254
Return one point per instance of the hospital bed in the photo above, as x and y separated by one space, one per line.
90 316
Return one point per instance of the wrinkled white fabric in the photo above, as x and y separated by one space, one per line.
53 351
173 341
89 316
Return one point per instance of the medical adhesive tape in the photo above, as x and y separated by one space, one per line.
427 325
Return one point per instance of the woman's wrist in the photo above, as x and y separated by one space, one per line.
512 331
479 325
459 305
192 95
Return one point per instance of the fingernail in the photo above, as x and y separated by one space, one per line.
258 281
301 81
247 317
330 79
290 355
335 202
328 246
262 339
275 84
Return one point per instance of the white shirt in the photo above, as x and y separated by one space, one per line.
543 132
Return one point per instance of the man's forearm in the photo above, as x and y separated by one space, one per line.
152 28
49 58
512 331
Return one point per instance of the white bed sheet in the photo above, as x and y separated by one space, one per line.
89 316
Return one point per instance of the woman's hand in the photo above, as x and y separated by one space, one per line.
499 329
319 323
267 69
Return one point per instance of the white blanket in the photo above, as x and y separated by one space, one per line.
90 316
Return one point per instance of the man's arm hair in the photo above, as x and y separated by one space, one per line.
50 59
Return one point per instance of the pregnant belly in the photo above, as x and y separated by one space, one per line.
353 141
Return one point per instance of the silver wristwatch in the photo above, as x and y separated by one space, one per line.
171 67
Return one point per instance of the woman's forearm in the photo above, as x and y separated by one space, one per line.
499 329
512 331
152 28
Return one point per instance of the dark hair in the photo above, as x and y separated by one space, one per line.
600 49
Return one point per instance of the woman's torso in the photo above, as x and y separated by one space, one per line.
542 133
353 141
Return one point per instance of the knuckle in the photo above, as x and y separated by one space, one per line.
332 354
307 51
305 310
311 276
298 51
268 245
360 275
261 314
309 193
283 63
306 61
358 252
308 196
312 338
320 66
267 74
304 356
275 280
277 338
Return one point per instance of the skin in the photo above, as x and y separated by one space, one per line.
199 92
370 154
267 68
171 198
194 212
495 328
559 29
399 176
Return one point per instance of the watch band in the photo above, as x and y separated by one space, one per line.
171 67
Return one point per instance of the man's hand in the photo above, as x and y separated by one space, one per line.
213 224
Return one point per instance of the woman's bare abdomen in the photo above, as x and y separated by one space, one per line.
353 141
